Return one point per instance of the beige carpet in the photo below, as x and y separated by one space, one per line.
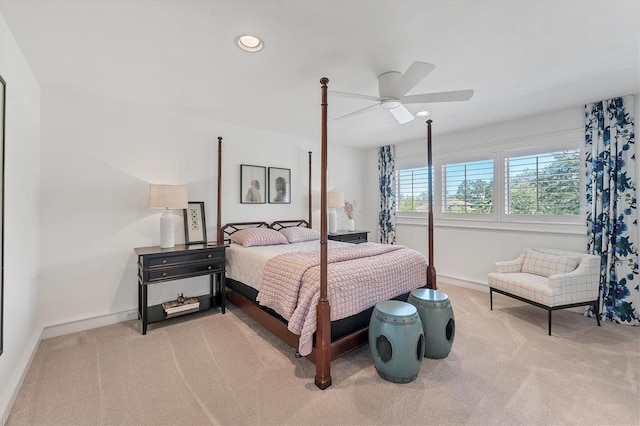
225 369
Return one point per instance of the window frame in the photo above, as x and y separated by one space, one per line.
503 216
407 214
440 165
499 151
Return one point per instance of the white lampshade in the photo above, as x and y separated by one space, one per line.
168 197
335 199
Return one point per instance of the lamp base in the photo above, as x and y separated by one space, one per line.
167 230
333 221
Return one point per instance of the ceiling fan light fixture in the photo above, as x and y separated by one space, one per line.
249 43
423 113
390 103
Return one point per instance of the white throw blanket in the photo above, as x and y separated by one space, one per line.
358 277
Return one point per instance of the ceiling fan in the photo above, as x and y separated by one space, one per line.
392 89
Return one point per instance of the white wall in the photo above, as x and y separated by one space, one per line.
22 208
98 157
464 253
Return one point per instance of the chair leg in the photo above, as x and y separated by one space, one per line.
491 298
596 306
549 322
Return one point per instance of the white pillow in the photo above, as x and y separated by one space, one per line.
296 234
258 237
545 264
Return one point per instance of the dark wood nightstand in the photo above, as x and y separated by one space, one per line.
354 237
157 265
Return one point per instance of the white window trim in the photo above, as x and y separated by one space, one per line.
499 220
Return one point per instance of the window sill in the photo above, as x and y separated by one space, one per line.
525 227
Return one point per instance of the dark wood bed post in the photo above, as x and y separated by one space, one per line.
310 223
323 342
431 270
220 237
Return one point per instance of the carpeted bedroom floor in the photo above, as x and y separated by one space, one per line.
225 369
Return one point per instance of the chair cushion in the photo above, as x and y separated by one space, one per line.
545 264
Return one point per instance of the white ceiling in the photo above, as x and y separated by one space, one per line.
521 57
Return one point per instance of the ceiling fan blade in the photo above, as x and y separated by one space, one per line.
355 95
402 114
351 114
414 74
427 98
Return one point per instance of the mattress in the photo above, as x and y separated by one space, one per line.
246 264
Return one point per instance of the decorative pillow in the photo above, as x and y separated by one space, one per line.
258 237
545 264
296 234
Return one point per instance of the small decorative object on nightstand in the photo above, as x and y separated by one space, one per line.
354 237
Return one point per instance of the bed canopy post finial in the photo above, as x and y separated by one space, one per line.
310 223
431 270
323 341
219 236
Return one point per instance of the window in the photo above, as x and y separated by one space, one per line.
468 187
543 184
412 190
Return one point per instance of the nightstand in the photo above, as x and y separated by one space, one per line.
157 265
353 237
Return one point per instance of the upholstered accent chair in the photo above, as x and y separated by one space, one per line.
550 279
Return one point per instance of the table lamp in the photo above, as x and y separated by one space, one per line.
334 199
167 197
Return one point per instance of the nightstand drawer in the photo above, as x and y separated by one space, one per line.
172 273
353 237
160 261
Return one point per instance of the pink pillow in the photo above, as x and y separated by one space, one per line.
258 237
296 234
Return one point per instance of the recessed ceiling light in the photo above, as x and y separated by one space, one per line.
250 43
423 113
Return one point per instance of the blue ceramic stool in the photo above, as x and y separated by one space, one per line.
396 341
437 319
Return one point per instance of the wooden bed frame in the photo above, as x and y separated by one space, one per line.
324 350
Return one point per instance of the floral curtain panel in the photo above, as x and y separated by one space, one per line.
386 216
611 206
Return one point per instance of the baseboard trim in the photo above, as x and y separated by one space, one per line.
88 323
461 282
16 380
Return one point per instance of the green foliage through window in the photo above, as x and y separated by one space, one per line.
543 184
468 187
412 190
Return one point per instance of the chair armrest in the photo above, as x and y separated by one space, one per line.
509 266
586 275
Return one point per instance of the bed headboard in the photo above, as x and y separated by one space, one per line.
280 224
230 228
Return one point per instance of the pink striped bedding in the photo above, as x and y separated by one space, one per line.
358 277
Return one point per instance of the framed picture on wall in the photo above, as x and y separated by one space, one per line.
279 185
195 229
3 90
253 184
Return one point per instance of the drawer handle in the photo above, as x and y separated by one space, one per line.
209 267
209 255
164 274
164 260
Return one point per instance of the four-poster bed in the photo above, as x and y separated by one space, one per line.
331 339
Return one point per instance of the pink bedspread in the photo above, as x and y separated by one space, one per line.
357 278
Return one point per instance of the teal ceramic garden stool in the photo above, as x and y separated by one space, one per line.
437 319
396 341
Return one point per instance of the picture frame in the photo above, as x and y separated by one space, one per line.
279 185
3 105
253 188
195 228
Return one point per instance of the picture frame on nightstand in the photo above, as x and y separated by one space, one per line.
195 229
